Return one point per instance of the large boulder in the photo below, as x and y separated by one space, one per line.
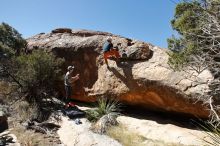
143 79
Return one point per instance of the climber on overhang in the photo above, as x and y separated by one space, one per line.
109 51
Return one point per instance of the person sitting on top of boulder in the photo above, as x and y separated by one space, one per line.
109 51
68 80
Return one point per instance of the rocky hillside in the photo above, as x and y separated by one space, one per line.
143 79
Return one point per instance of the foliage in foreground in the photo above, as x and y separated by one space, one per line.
32 75
212 133
37 73
104 107
104 116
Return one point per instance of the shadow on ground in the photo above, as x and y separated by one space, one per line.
161 117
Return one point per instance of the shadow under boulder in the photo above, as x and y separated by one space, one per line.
73 112
3 121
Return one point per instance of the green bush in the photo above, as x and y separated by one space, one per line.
104 107
37 73
104 116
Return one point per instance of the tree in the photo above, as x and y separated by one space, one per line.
198 45
186 23
10 39
11 44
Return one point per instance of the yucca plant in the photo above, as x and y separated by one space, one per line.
104 115
104 107
212 133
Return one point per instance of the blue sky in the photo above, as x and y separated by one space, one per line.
145 20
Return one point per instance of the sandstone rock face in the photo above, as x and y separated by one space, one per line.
143 79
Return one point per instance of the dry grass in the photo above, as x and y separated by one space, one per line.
211 131
125 137
25 110
129 138
8 92
30 138
5 89
27 137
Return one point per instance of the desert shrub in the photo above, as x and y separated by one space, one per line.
4 90
25 111
37 73
8 92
